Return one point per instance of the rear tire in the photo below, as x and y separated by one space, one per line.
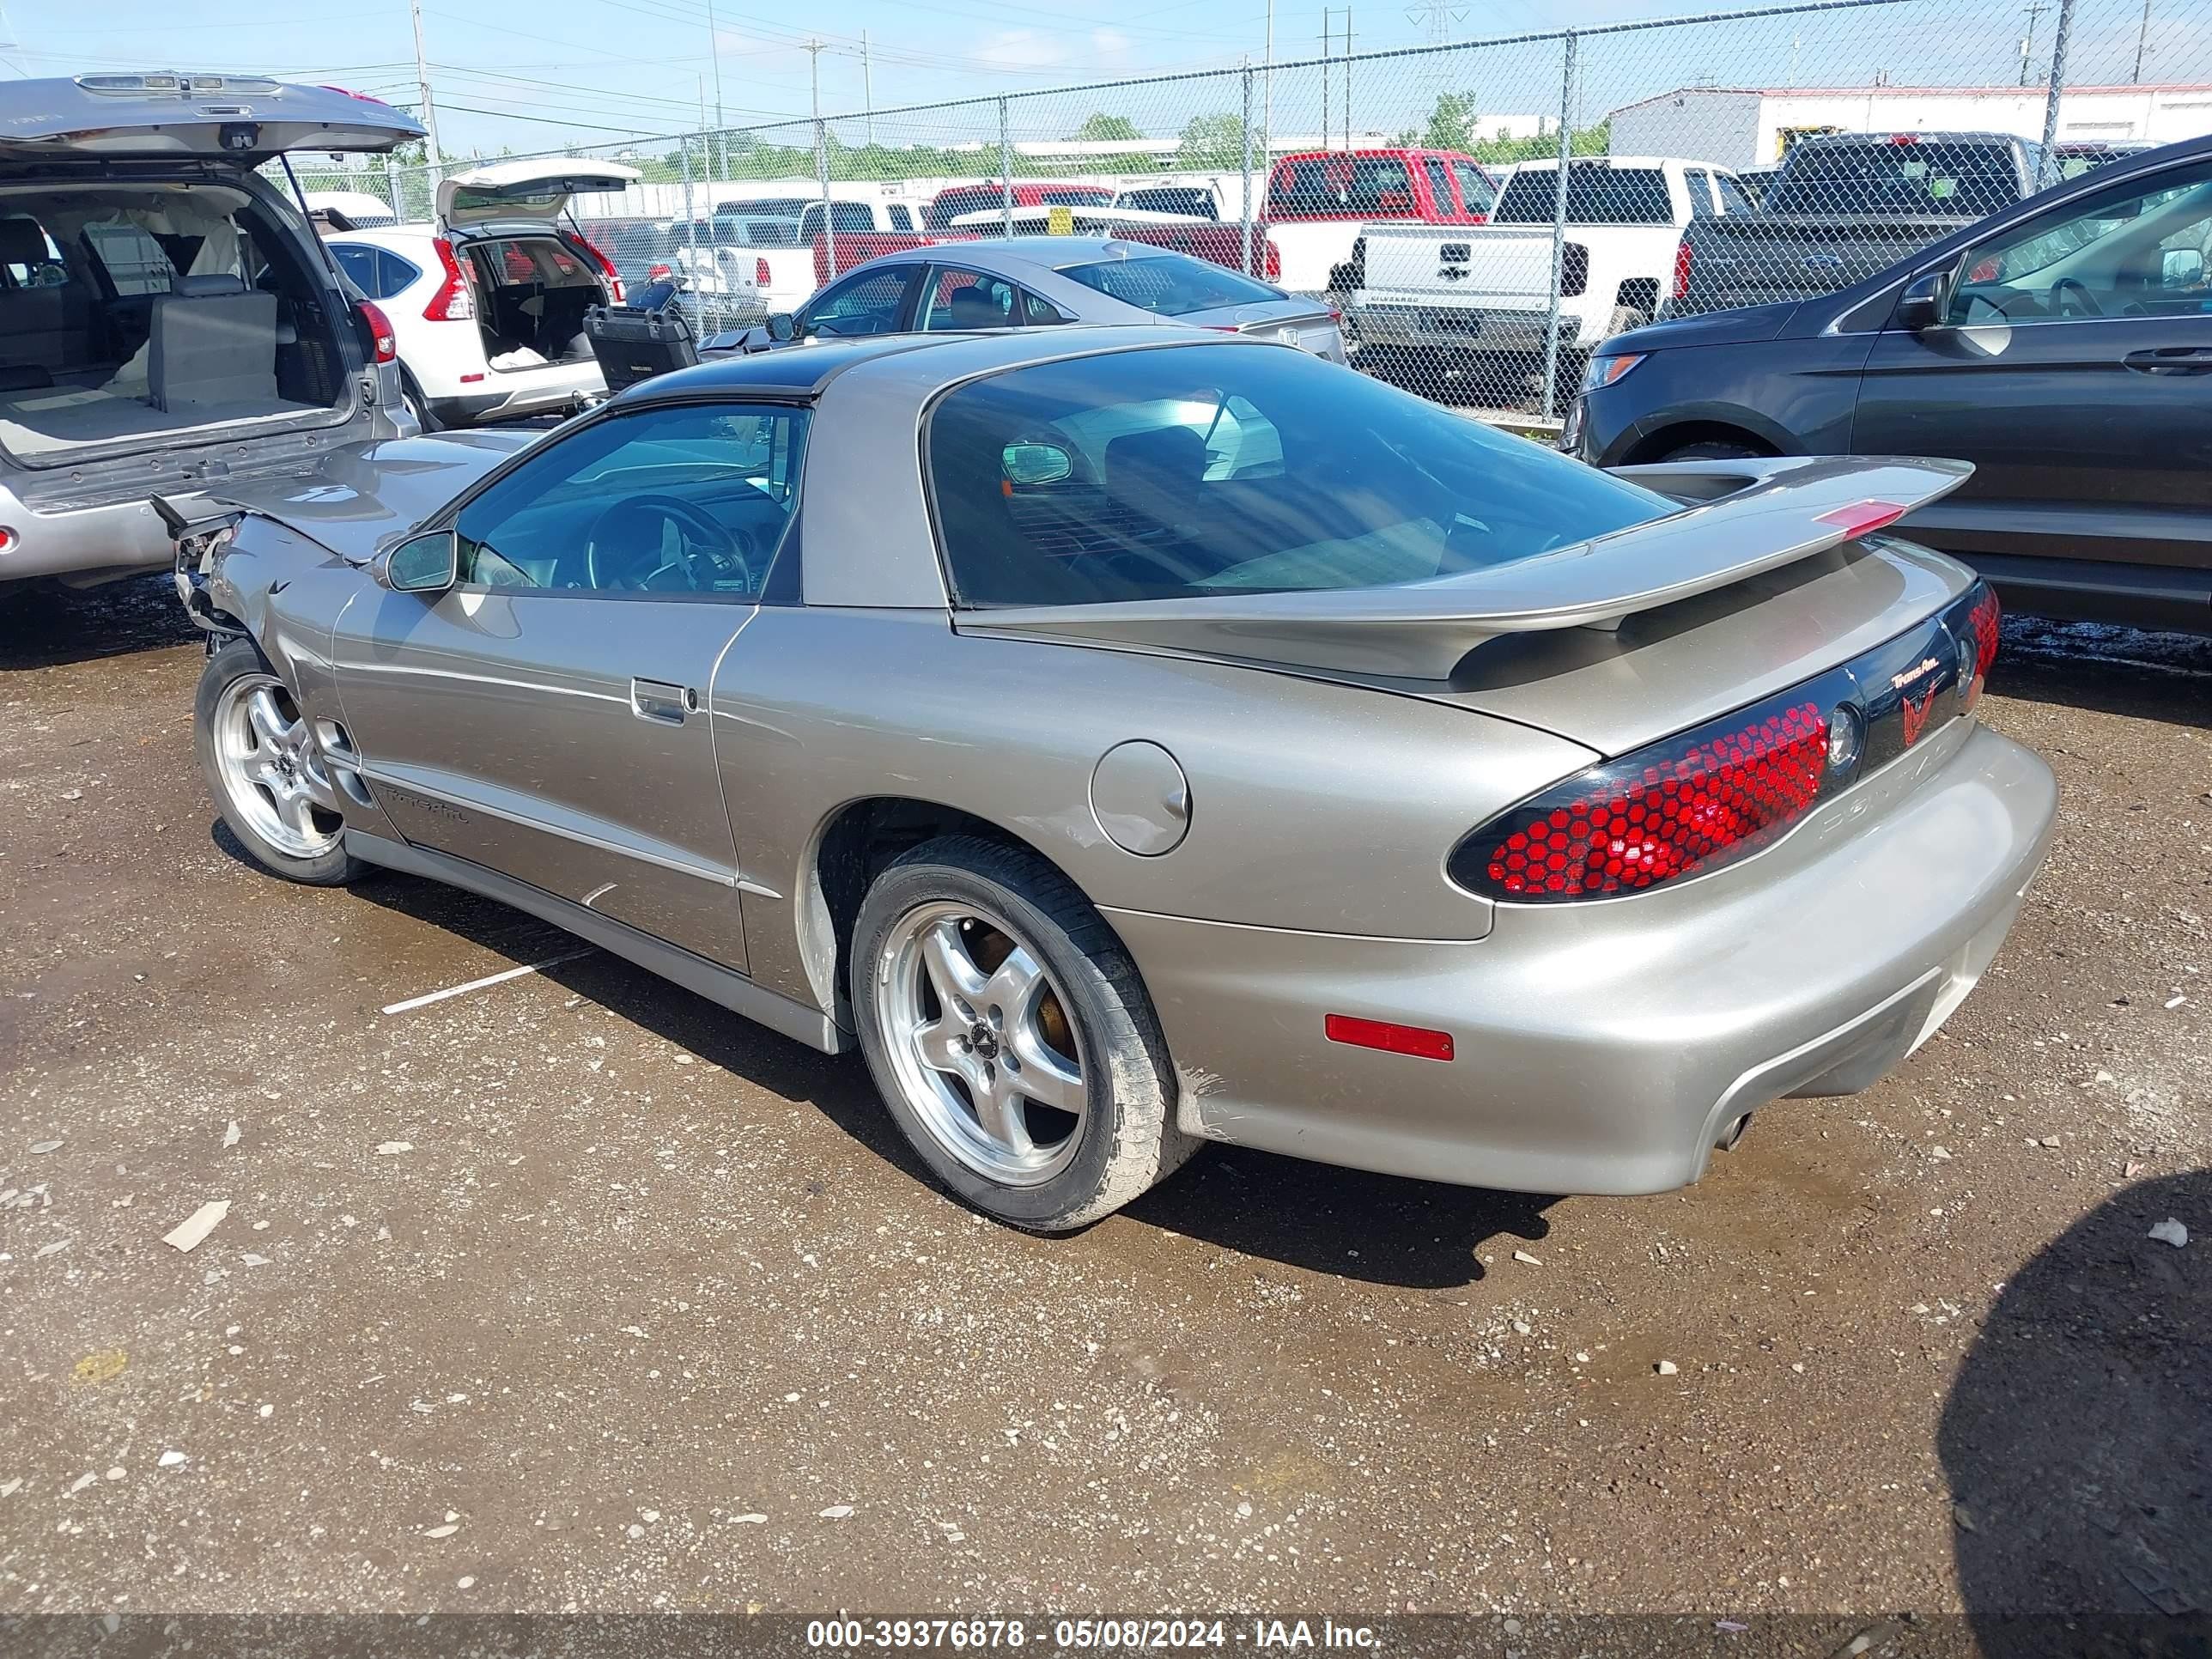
418 405
1009 1033
266 769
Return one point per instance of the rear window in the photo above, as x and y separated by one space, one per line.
1179 472
1597 195
952 203
1949 180
1170 284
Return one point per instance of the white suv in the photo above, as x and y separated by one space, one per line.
488 304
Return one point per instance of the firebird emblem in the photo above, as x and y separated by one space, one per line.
1916 719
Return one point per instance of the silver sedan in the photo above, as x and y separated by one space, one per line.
1130 737
1035 282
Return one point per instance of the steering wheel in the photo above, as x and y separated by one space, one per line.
2074 286
707 552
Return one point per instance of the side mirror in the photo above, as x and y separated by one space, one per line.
1920 306
2182 267
421 564
782 328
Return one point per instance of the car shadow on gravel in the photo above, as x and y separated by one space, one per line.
1379 1229
45 625
2077 1440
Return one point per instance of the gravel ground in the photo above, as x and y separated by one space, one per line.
577 1292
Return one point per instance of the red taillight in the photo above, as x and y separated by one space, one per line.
385 343
1415 1040
1904 137
1681 807
760 272
1862 518
607 273
1682 269
1274 267
1982 619
453 302
657 273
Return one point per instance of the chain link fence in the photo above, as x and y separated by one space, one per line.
1481 214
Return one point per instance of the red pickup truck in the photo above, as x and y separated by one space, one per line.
1318 200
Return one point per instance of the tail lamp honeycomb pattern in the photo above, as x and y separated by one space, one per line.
1719 797
1982 619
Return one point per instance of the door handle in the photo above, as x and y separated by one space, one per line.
2171 359
657 700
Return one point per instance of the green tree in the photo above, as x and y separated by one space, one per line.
1214 141
1451 123
1104 129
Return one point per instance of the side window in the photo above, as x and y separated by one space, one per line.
691 499
359 265
1699 184
394 273
962 299
902 219
1734 197
1439 186
852 218
1475 193
2142 248
868 303
1037 309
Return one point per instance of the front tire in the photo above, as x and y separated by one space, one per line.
1007 1029
265 769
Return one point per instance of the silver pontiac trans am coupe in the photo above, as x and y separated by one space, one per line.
1130 739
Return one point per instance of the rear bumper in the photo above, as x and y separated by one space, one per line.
1601 1047
116 538
539 391
1475 330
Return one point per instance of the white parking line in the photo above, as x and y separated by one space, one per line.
488 979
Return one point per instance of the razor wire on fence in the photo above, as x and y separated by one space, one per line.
1481 214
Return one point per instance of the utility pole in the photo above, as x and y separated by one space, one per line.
422 82
714 57
822 156
1326 38
2034 9
1267 100
1347 80
2143 44
868 87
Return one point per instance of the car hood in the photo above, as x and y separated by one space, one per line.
1745 325
363 495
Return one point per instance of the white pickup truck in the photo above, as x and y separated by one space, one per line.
1432 299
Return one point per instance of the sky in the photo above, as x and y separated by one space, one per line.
549 73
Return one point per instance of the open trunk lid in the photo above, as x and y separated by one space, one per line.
248 118
524 193
1592 641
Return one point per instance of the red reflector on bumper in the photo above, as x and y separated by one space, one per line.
1412 1040
1862 518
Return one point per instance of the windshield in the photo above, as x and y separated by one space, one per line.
1951 180
1597 195
1170 284
1188 471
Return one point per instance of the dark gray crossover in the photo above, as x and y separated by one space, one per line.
2064 347
1130 737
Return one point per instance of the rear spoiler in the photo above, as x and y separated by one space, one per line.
1740 519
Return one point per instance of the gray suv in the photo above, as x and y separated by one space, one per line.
167 316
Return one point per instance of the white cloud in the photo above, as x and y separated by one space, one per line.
1024 49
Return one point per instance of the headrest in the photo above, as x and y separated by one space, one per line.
214 281
22 243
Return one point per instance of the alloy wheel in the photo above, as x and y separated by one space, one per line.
272 768
981 1042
